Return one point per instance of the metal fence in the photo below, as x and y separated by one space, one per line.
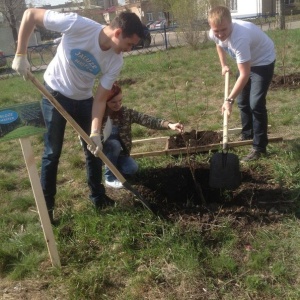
40 56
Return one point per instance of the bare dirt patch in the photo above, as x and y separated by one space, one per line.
174 190
173 193
291 81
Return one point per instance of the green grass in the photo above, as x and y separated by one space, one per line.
127 253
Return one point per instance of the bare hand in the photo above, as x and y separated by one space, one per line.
225 69
176 126
227 107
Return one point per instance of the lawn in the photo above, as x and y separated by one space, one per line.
241 244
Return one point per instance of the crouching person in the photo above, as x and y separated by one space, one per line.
118 136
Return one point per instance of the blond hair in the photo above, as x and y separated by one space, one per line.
217 14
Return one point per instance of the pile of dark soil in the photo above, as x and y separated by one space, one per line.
174 194
194 138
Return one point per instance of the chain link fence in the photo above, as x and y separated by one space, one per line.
40 56
161 39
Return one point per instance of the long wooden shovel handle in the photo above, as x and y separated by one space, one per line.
74 124
225 115
85 137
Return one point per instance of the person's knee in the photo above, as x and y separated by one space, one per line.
132 168
112 146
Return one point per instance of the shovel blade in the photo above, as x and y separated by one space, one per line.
224 171
137 194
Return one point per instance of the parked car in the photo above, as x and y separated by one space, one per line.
145 42
149 24
152 26
3 61
161 24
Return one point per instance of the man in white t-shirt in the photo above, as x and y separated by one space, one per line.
254 54
86 50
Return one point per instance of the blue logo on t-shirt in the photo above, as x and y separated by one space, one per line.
85 61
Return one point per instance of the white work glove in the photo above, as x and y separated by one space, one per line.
21 65
96 138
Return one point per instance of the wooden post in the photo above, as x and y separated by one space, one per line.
40 200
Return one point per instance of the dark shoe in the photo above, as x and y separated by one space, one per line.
105 202
253 155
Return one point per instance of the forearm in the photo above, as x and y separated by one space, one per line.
238 87
222 56
244 73
98 110
97 115
165 124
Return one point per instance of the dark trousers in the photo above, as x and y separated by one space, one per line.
252 104
80 111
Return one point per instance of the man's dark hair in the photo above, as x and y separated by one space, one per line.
130 24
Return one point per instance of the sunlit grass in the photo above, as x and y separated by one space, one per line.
125 252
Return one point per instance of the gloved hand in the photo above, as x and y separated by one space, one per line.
97 139
21 65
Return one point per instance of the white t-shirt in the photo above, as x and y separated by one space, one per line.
79 58
247 42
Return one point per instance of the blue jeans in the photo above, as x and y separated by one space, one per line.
252 104
80 111
125 164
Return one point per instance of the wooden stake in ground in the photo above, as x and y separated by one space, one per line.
40 200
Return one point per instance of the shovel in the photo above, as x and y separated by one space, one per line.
87 139
224 167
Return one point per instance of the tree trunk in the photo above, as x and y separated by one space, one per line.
13 26
281 14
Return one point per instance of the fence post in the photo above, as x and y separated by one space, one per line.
165 32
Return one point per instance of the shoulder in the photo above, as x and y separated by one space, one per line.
126 110
240 25
52 15
54 19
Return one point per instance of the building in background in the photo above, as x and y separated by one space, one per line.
149 12
103 4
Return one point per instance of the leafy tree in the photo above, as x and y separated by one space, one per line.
191 16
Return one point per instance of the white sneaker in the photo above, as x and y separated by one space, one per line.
116 184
